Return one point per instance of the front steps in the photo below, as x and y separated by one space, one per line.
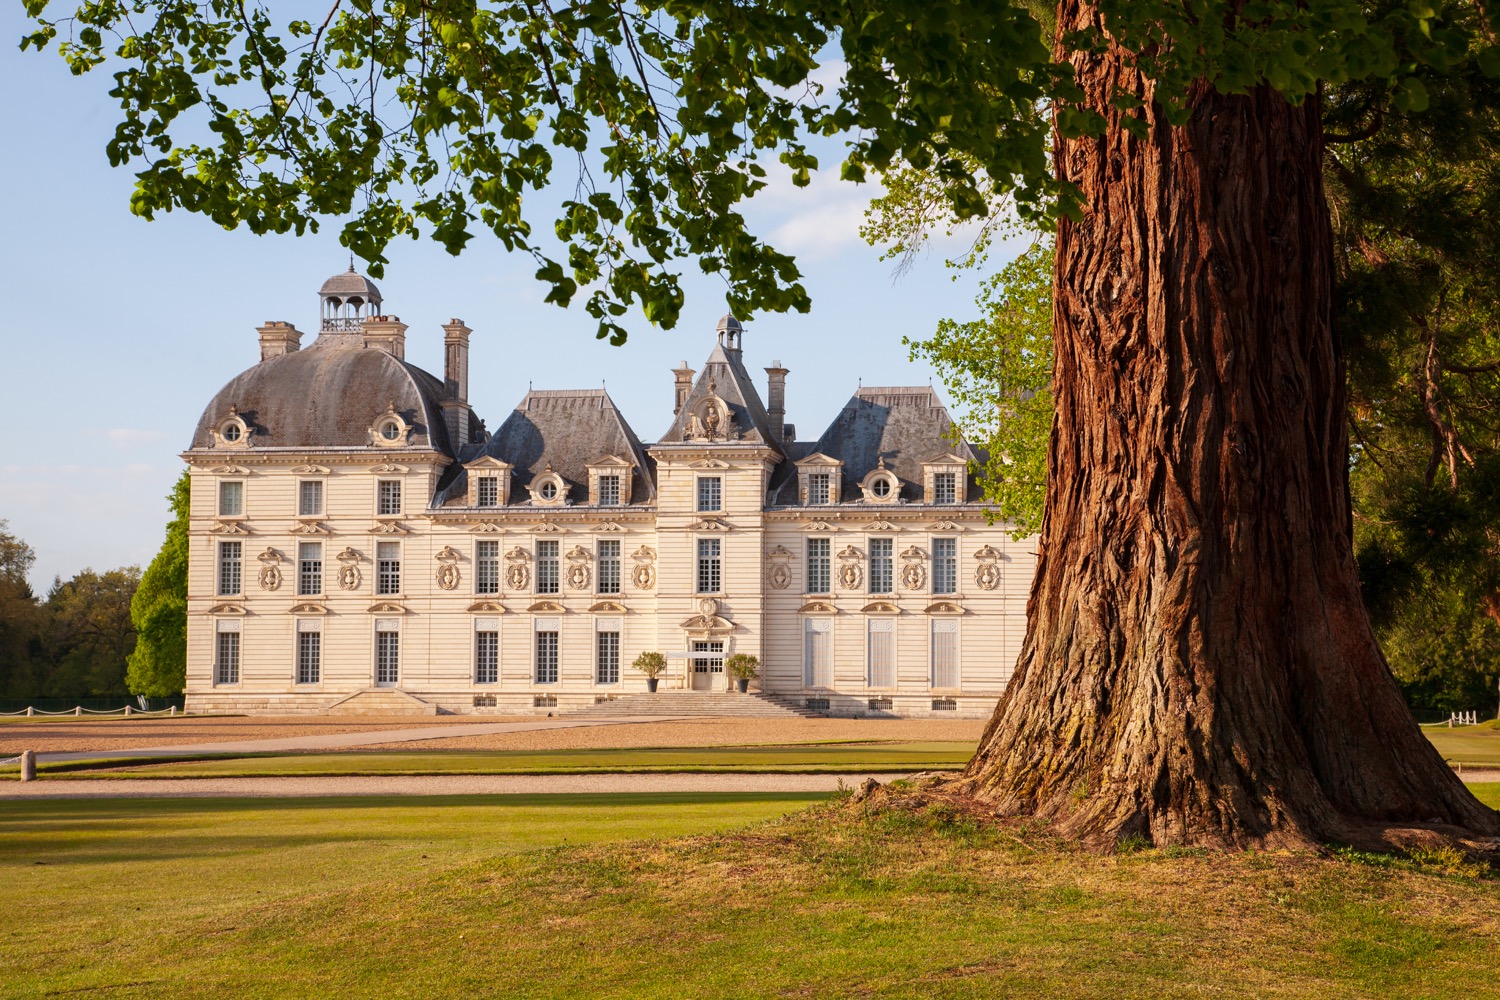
381 701
709 704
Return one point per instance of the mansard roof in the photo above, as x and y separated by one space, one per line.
566 430
904 425
329 396
724 375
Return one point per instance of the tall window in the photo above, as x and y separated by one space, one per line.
229 568
609 566
945 653
945 565
819 565
310 568
882 565
945 487
488 491
486 657
227 660
546 657
710 493
708 566
387 567
881 653
231 499
819 488
546 567
309 657
817 652
388 497
609 491
310 498
607 658
387 658
487 567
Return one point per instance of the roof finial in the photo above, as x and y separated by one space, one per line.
351 261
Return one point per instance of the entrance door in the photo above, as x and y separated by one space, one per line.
708 671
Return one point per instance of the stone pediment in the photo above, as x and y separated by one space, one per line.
547 607
611 461
710 524
390 528
487 528
610 607
386 608
487 462
945 526
609 526
388 468
880 526
227 608
545 527
818 460
818 607
310 470
310 528
880 607
818 525
229 470
709 463
229 528
944 608
708 620
487 607
309 608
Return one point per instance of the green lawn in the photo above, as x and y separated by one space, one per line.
537 897
824 757
1476 746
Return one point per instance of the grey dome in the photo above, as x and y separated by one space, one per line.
350 284
328 396
727 322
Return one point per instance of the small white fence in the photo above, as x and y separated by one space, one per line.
79 710
1463 719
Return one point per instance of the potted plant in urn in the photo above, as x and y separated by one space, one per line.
653 665
742 667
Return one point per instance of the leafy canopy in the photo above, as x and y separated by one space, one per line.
447 117
157 667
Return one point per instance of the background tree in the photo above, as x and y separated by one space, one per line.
88 633
158 664
20 618
1198 665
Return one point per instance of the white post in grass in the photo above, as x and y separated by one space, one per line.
28 765
30 711
127 711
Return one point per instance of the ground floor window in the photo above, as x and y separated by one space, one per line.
607 665
546 657
387 658
227 658
486 657
309 655
881 653
817 652
945 653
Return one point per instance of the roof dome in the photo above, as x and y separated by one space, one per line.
351 284
727 323
328 397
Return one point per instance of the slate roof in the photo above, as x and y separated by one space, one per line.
566 429
905 425
732 383
351 282
328 396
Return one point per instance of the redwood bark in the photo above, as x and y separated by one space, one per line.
1198 666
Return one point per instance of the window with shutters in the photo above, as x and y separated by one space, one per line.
546 657
817 652
819 488
710 493
607 657
227 659
709 569
819 565
882 565
546 567
881 653
388 567
310 498
309 654
944 653
609 566
387 658
231 499
487 657
487 491
388 497
609 491
487 567
310 568
945 565
229 568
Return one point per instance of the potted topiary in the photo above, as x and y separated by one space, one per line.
742 667
653 665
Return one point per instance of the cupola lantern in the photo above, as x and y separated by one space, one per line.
348 300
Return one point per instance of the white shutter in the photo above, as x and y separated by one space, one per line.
882 653
945 653
818 653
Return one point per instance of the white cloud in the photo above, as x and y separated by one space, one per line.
818 220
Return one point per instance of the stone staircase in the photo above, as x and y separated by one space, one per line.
712 704
381 701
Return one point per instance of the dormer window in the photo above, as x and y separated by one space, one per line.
881 485
881 488
487 492
489 482
232 431
389 429
945 487
609 491
818 479
819 488
945 479
609 481
548 489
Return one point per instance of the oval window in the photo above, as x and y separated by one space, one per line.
390 430
881 488
231 431
548 491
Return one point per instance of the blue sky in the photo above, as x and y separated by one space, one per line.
118 331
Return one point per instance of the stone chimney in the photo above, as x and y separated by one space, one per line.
456 380
386 333
684 385
278 338
776 399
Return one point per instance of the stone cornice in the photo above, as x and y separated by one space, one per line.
206 458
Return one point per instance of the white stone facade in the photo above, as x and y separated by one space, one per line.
354 528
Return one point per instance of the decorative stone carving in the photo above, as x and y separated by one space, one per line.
708 620
880 526
945 526
309 470
389 469
818 607
987 573
577 573
608 526
270 569
349 578
487 528
390 528
490 607
309 608
945 608
709 524
644 574
447 574
517 573
612 607
549 607
313 527
880 607
711 420
913 573
779 573
850 576
229 528
387 608
818 526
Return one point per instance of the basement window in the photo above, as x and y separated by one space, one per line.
544 701
818 704
945 704
484 701
882 704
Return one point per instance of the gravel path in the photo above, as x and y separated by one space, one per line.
446 784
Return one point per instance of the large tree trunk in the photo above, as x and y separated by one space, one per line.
1198 667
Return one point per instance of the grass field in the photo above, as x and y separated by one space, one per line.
1474 746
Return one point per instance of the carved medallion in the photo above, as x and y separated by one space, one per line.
349 577
987 573
644 574
578 576
779 576
447 574
517 575
850 575
913 575
270 569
